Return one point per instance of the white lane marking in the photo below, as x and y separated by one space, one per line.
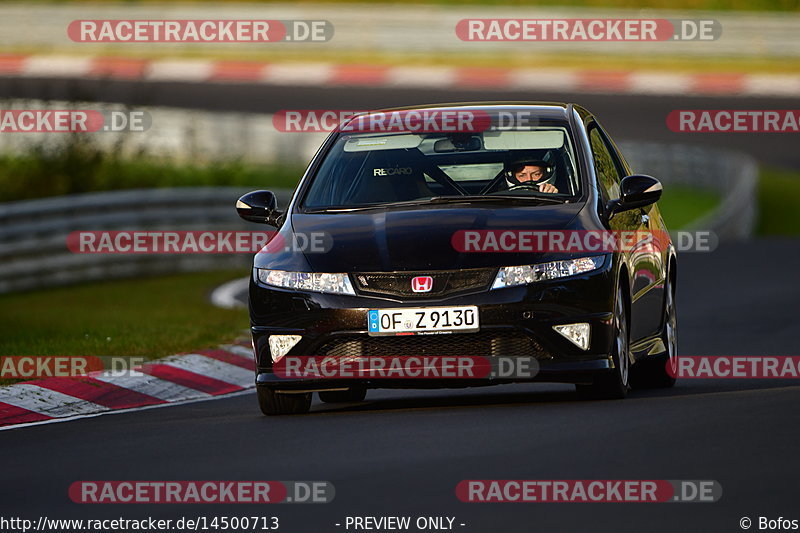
150 385
225 295
421 77
212 368
123 411
771 85
298 74
177 70
47 402
321 73
656 83
58 66
543 79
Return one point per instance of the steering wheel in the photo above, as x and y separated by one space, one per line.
526 186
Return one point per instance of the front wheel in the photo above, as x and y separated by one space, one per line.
276 403
653 372
613 385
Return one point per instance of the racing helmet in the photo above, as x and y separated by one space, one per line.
514 166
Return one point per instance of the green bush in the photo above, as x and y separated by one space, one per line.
78 166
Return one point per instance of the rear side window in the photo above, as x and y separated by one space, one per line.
605 165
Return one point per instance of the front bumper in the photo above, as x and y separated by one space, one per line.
515 321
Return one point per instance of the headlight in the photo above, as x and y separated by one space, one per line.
306 281
522 275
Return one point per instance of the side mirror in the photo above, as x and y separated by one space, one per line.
259 206
636 190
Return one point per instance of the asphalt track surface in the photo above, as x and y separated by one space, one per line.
403 452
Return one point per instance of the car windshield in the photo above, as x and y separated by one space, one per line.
369 169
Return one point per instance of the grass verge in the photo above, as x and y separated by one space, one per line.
778 191
147 317
83 168
680 205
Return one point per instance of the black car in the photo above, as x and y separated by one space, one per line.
398 201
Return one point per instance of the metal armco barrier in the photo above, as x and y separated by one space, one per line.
734 176
33 234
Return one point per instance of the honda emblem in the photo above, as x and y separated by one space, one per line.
422 284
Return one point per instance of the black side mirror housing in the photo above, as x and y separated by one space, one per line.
259 206
637 190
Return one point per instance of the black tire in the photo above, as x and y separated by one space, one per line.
276 403
652 373
613 385
353 394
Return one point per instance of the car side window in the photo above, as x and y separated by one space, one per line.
604 165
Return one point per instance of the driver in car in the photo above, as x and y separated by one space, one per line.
531 174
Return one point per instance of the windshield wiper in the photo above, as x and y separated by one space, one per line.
436 200
494 197
363 207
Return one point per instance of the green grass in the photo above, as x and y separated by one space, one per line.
778 194
148 317
81 168
680 205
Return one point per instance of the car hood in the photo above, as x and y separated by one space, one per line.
421 239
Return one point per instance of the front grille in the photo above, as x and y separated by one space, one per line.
445 282
481 344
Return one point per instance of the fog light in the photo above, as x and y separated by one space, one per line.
577 334
279 345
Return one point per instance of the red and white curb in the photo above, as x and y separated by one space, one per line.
350 75
177 378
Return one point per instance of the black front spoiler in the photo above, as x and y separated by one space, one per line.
562 372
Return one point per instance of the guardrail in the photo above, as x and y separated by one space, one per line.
733 175
395 27
33 233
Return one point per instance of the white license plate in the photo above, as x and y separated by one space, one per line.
414 321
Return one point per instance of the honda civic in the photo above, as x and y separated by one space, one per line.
491 231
